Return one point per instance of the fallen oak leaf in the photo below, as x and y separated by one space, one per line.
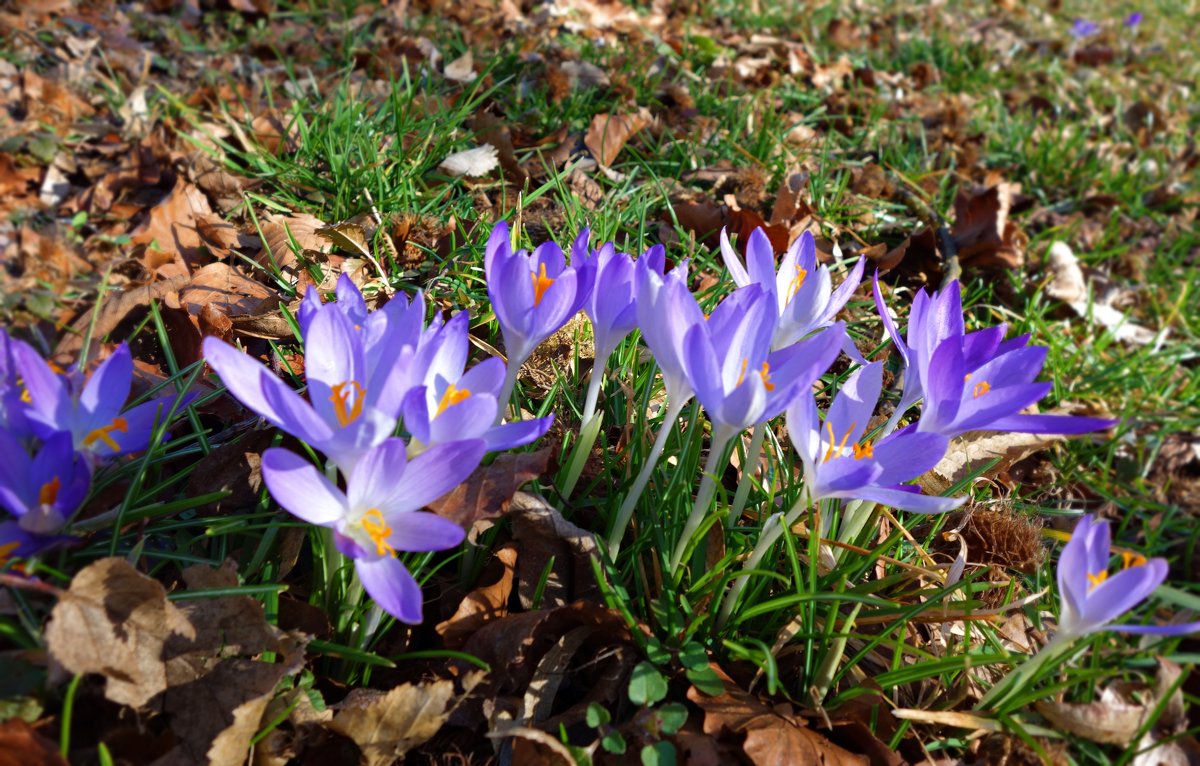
22 745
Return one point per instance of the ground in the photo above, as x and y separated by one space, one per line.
175 171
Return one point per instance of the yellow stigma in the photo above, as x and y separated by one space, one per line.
981 388
452 397
866 449
541 283
340 397
25 397
765 374
836 447
104 434
49 491
378 530
1096 579
797 282
742 374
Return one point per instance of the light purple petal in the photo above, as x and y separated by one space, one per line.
909 501
420 531
428 476
1050 424
737 271
518 434
106 390
392 587
852 407
301 489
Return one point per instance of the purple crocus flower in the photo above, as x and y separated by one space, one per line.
450 405
380 511
1084 28
838 463
666 311
802 287
12 408
94 416
533 294
1133 20
42 492
356 396
736 376
1092 599
610 306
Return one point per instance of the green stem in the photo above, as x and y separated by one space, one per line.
625 514
704 496
749 464
1021 676
772 530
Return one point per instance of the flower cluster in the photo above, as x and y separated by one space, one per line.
369 374
56 428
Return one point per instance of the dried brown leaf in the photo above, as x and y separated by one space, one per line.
394 723
22 745
172 225
608 133
483 604
223 286
278 233
488 492
546 539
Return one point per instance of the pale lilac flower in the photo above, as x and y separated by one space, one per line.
449 404
1084 28
1133 20
380 512
666 311
42 492
802 287
610 307
839 463
1092 598
95 417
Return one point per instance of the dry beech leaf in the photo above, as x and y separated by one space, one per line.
543 535
217 234
21 745
172 225
116 622
488 491
481 605
391 724
278 233
1110 720
223 286
472 162
608 133
1070 285
970 451
534 747
461 69
348 236
984 236
116 307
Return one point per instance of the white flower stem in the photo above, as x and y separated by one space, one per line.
772 530
704 496
643 478
510 382
749 464
593 390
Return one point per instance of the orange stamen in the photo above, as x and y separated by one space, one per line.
6 551
1129 559
452 397
742 375
797 282
835 447
765 373
541 283
1096 579
378 530
341 395
49 491
866 449
104 434
981 388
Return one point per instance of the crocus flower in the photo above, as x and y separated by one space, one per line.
666 311
42 492
610 307
802 287
838 463
1084 28
356 396
534 294
93 413
1092 598
380 511
737 377
448 405
12 408
1133 20
960 397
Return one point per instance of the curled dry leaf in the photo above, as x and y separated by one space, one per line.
280 231
1071 286
982 232
461 69
546 539
608 133
389 725
224 287
172 228
472 162
483 604
1113 719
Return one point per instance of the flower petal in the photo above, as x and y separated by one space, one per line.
421 531
427 477
520 433
108 387
300 488
392 586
